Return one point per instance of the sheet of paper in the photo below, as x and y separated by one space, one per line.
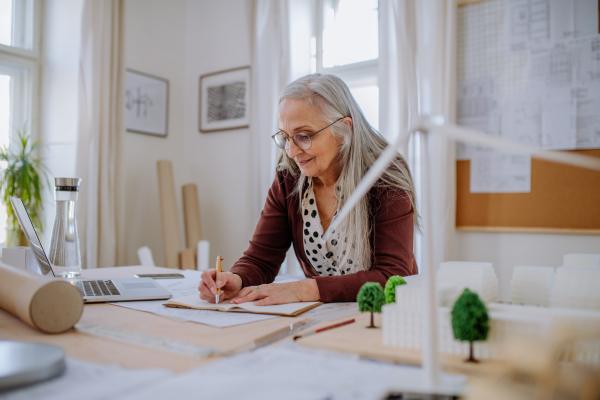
186 287
90 381
217 319
329 311
527 21
477 104
285 372
501 173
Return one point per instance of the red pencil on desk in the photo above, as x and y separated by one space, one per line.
324 329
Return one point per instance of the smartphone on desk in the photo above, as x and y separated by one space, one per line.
160 276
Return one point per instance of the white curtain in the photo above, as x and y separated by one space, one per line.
418 77
101 107
271 72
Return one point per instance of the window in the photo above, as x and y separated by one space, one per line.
346 44
19 69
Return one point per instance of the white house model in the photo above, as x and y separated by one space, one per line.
566 298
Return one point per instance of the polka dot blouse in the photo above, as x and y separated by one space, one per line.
323 255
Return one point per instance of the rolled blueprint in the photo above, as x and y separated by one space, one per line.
191 216
45 303
168 213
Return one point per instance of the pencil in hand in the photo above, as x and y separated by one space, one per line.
219 261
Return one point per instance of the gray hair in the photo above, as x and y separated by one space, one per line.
360 147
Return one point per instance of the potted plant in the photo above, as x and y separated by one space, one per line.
24 175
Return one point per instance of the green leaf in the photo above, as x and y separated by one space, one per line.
390 288
470 319
24 175
370 297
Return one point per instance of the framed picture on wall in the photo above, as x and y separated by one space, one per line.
225 100
146 103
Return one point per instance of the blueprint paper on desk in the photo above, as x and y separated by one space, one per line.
187 287
89 381
285 372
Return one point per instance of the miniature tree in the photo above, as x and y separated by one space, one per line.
390 288
371 298
470 320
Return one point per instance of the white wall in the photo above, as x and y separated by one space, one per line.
155 43
220 163
509 250
181 40
59 94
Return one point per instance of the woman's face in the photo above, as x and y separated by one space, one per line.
297 117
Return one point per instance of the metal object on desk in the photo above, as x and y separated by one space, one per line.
23 363
65 255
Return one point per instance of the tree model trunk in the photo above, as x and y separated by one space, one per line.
471 358
372 323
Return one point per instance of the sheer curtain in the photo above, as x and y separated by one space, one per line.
418 77
101 127
271 72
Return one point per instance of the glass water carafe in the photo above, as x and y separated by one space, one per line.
65 256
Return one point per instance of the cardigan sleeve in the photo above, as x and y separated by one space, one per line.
270 242
391 246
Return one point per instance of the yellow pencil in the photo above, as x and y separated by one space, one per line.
219 261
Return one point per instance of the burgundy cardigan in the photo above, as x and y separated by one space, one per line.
281 224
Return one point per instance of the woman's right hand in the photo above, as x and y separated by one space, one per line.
229 283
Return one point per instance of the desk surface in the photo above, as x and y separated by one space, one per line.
92 348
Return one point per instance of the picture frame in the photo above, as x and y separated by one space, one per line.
146 103
224 100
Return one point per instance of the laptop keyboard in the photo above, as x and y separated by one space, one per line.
97 288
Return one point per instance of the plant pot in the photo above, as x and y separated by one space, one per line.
15 238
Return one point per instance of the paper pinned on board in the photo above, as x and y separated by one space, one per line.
501 173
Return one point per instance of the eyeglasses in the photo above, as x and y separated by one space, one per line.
302 140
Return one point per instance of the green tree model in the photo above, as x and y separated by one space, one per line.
371 298
390 288
470 320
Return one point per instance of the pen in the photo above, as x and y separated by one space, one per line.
324 329
219 261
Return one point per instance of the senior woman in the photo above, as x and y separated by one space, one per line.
326 148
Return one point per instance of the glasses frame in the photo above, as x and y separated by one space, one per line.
310 135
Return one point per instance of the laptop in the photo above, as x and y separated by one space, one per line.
92 290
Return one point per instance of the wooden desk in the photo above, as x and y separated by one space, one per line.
97 349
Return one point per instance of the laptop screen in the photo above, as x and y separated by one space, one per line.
31 235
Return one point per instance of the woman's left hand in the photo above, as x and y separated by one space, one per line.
278 293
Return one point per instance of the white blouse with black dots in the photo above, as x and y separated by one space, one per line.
324 255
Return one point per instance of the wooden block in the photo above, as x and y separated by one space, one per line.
191 216
356 338
187 259
168 213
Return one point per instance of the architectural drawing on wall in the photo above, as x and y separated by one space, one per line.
531 74
225 100
146 103
528 21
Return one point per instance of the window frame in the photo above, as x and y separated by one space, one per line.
356 75
27 98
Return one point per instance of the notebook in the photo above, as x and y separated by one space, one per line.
287 310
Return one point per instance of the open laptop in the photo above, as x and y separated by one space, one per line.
92 290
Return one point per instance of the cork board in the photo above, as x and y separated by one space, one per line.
562 199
